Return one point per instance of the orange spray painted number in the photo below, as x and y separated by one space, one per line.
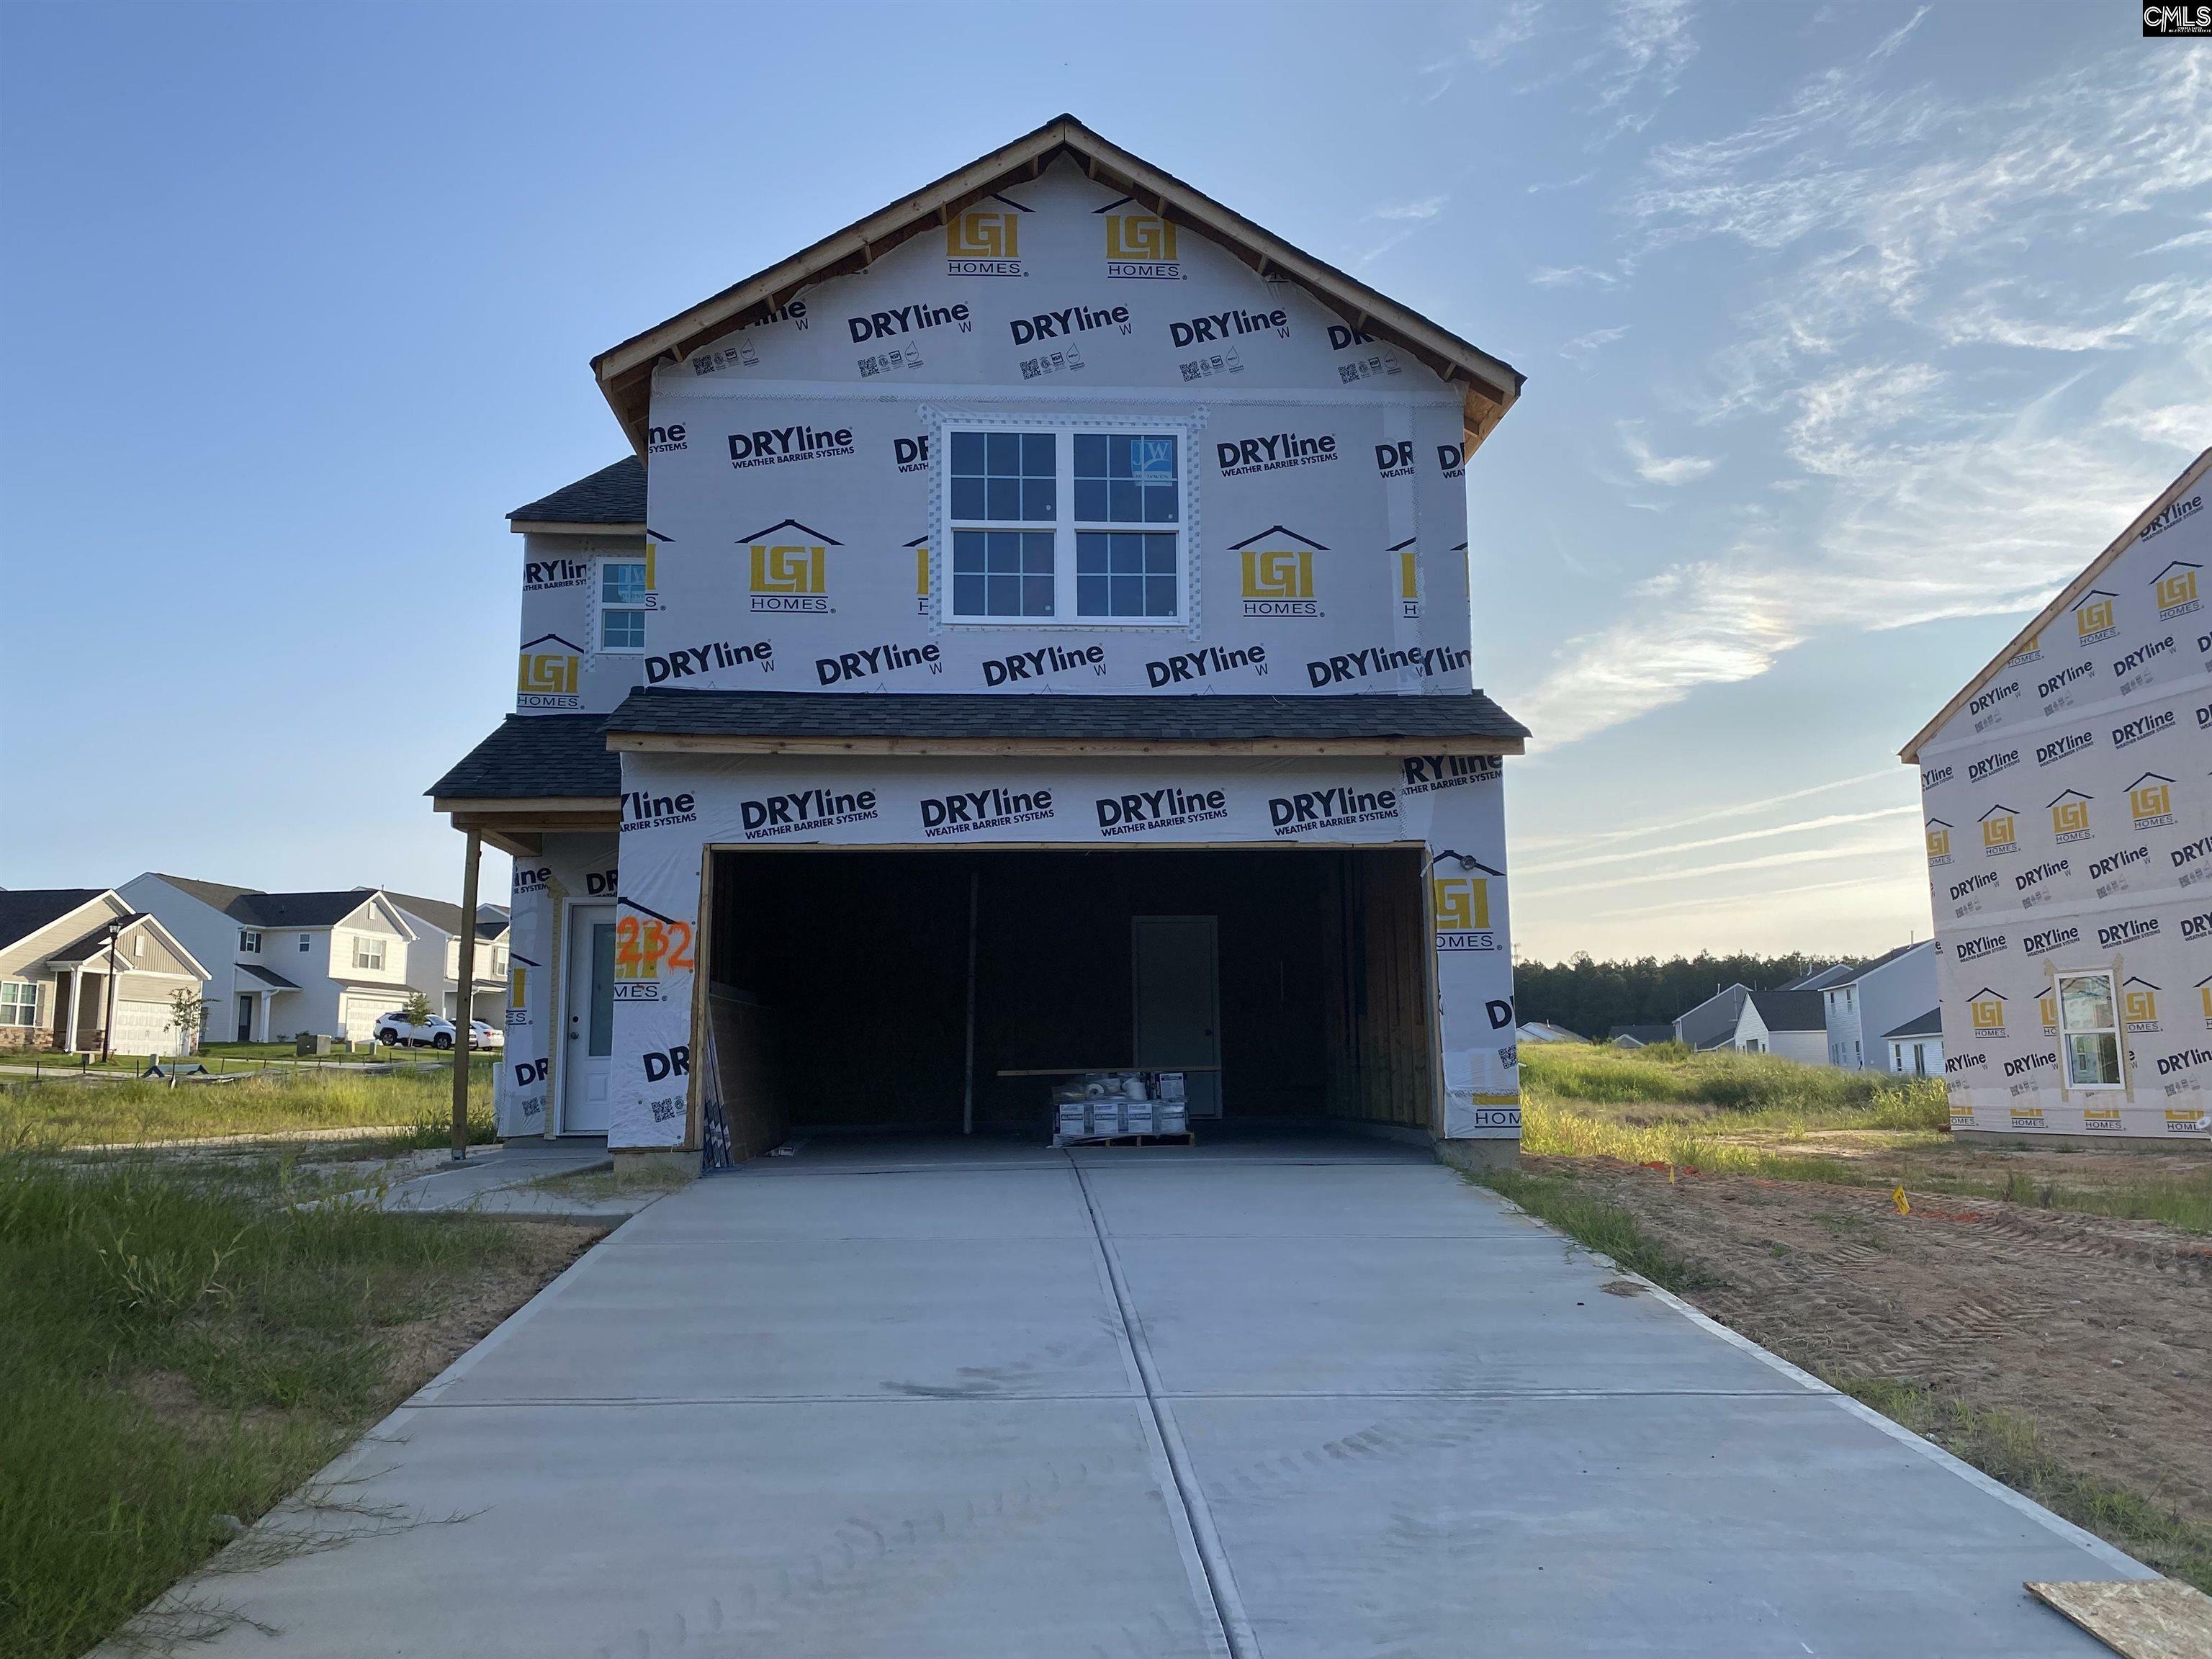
642 945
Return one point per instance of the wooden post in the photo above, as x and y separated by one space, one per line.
462 995
968 1097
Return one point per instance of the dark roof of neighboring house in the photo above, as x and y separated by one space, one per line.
296 909
1641 1034
613 494
1840 974
1790 1010
1858 974
267 977
491 921
216 894
92 944
1927 1025
537 757
1469 715
26 911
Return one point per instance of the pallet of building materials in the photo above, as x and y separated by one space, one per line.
1121 1109
1183 1137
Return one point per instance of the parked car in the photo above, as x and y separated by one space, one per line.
482 1036
396 1031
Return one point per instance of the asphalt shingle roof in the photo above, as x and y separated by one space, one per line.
266 976
1791 1011
26 911
1073 719
613 494
1925 1025
296 909
537 757
491 921
219 896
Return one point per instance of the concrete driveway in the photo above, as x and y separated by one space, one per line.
1302 1400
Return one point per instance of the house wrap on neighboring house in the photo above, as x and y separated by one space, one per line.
1042 640
2067 805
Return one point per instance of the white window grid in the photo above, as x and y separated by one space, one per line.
19 1002
368 952
1184 426
600 609
2114 1031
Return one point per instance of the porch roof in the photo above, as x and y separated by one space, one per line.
274 981
831 722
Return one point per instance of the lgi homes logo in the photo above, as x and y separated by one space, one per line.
790 569
1461 903
548 674
1140 245
1277 573
985 239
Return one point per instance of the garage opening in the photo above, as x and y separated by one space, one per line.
839 985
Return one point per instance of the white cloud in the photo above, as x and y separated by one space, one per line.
1427 208
1734 810
1670 470
1884 344
1642 63
1570 275
1897 37
1583 347
1804 826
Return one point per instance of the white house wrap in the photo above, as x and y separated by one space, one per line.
1053 437
2066 795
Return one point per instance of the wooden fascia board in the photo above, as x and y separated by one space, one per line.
666 743
625 371
537 527
2057 607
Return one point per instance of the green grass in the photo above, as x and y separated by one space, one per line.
108 1114
178 1345
1604 1227
1712 1112
2008 1449
1772 1089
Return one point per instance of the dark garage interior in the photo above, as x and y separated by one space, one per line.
838 983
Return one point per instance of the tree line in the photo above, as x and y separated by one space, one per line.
1591 998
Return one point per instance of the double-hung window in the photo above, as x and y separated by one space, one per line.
1067 525
249 941
368 952
622 603
2089 1031
19 1002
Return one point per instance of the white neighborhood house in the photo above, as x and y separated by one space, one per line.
1033 636
83 971
1863 1007
1791 1023
2067 796
282 965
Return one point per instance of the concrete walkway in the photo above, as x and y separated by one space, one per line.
1302 1400
502 1180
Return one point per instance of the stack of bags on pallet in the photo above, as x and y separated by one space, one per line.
1101 1105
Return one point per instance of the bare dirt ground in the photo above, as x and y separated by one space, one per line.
541 1250
2096 1330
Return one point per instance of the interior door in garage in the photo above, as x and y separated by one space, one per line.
1178 1003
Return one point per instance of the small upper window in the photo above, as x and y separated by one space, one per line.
249 940
303 941
621 605
2089 1031
1072 526
367 951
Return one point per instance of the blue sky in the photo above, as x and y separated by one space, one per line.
1851 331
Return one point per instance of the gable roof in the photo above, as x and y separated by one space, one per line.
1642 1035
1488 386
25 910
1852 975
491 921
2067 597
214 894
611 498
536 757
1921 1025
1823 979
298 909
1790 1010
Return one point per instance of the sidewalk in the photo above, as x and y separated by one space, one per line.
498 1181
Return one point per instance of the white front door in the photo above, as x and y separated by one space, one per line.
588 1043
1178 1003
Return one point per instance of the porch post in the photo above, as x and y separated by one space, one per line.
462 1030
69 1030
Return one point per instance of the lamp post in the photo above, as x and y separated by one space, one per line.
108 1019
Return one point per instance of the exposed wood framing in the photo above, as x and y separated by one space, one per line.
625 371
